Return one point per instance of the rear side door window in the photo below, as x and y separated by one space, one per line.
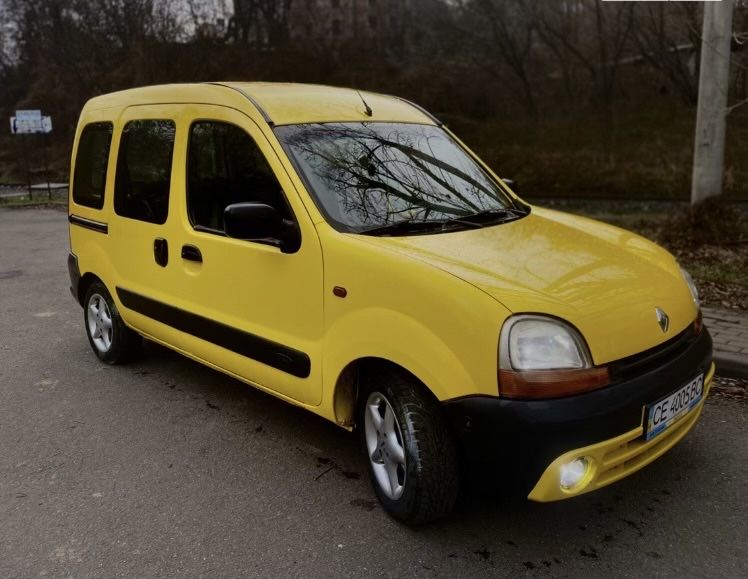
225 166
142 184
91 160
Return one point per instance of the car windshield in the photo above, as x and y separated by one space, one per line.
369 177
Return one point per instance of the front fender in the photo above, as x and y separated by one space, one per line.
397 338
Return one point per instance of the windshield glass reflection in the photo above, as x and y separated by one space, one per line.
368 175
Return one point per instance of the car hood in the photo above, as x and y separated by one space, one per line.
604 280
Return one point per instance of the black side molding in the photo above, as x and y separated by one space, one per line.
89 223
249 345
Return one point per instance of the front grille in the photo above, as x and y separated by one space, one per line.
638 364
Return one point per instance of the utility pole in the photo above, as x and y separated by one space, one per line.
714 79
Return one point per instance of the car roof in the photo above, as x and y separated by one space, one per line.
276 103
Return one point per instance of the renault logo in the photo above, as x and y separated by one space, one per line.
662 319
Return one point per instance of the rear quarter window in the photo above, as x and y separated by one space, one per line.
91 160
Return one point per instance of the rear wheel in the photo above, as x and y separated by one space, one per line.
411 454
110 339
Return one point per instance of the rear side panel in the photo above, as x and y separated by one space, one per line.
89 224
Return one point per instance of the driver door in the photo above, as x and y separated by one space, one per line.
245 306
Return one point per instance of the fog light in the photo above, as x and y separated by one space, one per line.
574 472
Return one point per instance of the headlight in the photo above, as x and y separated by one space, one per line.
691 286
540 343
542 357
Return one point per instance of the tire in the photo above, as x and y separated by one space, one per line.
412 456
111 340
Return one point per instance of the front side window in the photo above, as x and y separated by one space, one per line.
141 188
225 166
91 160
369 177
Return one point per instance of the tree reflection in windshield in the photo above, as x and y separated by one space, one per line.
372 174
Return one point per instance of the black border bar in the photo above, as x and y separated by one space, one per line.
249 345
89 223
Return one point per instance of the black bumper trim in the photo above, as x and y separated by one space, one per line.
75 275
527 435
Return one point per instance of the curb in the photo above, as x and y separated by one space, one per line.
35 205
731 365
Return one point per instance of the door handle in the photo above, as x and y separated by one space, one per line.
191 253
161 251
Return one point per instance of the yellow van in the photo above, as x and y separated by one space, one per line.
344 251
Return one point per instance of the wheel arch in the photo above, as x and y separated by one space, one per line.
347 388
371 338
87 279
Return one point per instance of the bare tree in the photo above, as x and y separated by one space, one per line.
505 30
590 35
739 60
667 37
5 39
264 23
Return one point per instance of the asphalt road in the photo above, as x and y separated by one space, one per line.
167 468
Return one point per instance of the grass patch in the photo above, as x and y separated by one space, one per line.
24 203
721 272
37 198
712 222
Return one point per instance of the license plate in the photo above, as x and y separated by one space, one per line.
666 411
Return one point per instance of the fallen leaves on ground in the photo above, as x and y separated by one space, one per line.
721 273
730 388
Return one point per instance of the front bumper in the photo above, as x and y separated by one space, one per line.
526 441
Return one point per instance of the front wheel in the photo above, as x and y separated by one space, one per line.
411 454
111 340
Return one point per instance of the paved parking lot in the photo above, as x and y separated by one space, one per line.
167 468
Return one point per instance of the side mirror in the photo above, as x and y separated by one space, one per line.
260 222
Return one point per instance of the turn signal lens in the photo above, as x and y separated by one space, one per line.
698 324
691 287
552 383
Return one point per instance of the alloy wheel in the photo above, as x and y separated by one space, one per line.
100 326
384 444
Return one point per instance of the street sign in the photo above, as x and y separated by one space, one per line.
26 125
28 115
30 122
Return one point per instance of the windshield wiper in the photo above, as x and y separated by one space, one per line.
405 226
490 216
472 220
